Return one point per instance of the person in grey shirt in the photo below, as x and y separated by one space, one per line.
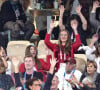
94 16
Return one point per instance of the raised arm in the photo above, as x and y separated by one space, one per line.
61 9
74 26
77 37
84 21
47 38
50 74
51 27
94 40
15 63
91 48
93 20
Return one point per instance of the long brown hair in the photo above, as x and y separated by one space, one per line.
27 52
67 44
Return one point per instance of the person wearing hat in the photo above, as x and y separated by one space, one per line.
66 73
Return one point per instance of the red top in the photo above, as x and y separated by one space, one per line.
45 66
60 54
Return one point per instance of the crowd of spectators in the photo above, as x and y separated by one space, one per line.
59 71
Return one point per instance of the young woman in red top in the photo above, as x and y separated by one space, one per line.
40 64
64 49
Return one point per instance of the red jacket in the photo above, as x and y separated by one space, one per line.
45 66
56 50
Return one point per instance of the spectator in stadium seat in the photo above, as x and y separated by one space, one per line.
34 83
64 49
30 71
66 73
40 64
12 11
95 16
90 79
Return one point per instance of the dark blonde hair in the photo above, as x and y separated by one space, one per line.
92 62
26 56
2 67
68 42
27 52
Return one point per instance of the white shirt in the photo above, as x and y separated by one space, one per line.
62 76
90 56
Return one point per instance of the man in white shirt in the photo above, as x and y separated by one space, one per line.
66 72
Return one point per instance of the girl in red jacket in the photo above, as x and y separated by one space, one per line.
64 49
40 64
